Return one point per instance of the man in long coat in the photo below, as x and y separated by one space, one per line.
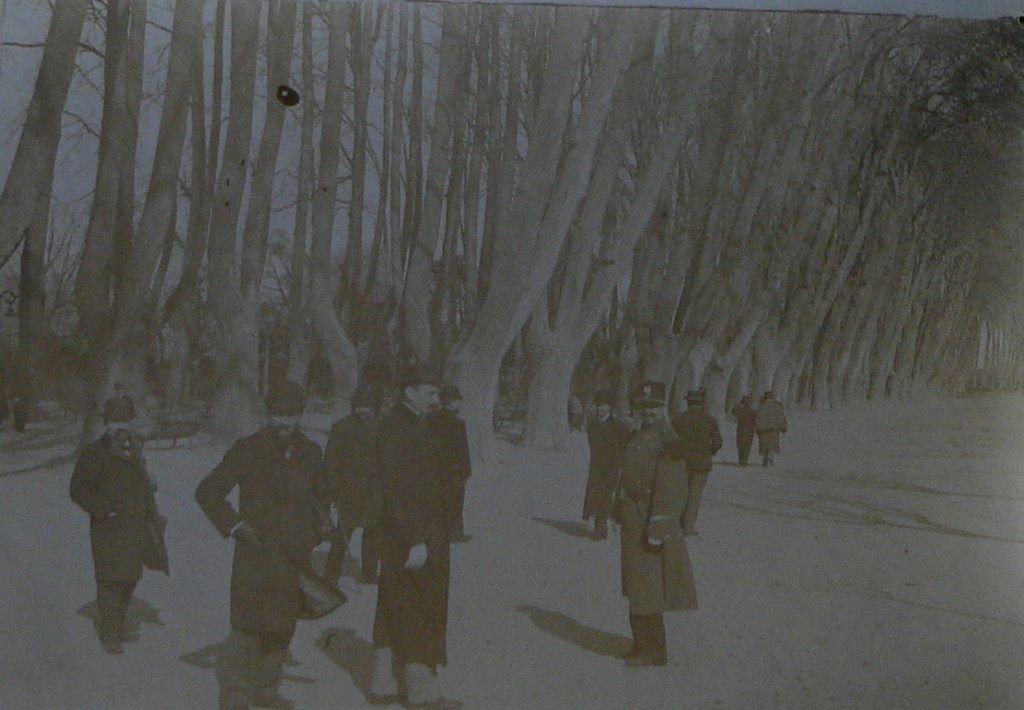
350 463
607 437
410 626
453 446
280 519
111 484
746 416
650 498
770 423
701 440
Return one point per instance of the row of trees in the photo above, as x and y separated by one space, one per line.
816 204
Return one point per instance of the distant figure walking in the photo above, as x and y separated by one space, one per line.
607 437
350 465
111 484
279 520
770 424
701 439
453 446
746 417
650 497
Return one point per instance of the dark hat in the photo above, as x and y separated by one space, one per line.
287 95
648 394
120 408
416 374
449 394
768 394
286 398
602 398
695 397
362 398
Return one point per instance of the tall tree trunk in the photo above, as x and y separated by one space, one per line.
30 177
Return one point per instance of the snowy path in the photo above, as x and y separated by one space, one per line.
879 564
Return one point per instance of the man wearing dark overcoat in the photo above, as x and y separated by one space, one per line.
111 484
350 463
453 446
701 439
607 437
745 415
770 424
650 498
279 520
410 626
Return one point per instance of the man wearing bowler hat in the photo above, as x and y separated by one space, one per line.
281 517
607 437
350 463
453 445
410 626
111 484
701 439
650 497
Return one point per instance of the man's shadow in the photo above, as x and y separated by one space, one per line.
568 528
596 641
351 654
139 612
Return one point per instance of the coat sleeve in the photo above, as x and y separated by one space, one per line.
668 499
212 492
85 485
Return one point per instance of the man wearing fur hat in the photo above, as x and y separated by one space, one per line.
280 519
350 463
650 498
770 423
453 445
111 484
607 437
410 626
701 439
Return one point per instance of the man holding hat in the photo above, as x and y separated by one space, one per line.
770 423
410 626
279 520
111 484
607 437
350 463
453 446
656 572
701 439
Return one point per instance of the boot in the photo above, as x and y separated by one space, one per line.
423 685
652 649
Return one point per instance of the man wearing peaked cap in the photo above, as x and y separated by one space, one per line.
453 446
607 437
650 498
281 517
701 439
111 484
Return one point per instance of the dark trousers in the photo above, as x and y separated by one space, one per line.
112 599
368 550
649 636
250 667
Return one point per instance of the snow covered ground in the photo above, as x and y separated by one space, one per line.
878 564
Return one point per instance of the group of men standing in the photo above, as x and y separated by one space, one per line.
649 478
401 479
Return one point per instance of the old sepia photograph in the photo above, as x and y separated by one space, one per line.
497 355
